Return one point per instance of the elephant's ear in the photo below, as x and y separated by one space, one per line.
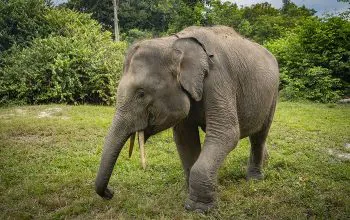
129 54
191 64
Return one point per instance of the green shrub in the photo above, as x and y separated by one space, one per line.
314 60
135 34
316 84
78 63
21 21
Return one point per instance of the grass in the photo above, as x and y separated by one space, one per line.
49 156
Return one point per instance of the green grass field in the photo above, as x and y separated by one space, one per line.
49 157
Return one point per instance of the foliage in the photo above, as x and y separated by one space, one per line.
315 46
253 12
316 84
150 15
267 28
101 10
147 14
185 16
303 43
135 34
225 13
77 64
293 11
328 43
50 155
170 16
259 22
158 16
245 28
21 21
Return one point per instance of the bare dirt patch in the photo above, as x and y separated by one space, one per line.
13 113
50 112
339 154
20 111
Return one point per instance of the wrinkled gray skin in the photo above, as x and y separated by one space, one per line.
201 77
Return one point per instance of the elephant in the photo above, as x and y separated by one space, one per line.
202 77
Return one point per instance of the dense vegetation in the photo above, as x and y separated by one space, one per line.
56 55
63 55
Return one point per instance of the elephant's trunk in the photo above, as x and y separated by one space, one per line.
114 143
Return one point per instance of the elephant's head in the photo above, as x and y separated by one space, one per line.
160 77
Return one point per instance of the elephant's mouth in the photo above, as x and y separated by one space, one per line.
143 136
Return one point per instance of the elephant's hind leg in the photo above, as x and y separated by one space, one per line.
258 151
257 154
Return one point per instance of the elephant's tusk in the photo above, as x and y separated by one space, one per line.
142 148
132 141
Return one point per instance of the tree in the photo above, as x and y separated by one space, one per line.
21 21
267 28
313 55
224 13
116 27
292 10
101 10
252 12
144 15
185 16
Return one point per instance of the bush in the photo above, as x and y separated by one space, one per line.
318 51
316 84
135 34
78 63
21 21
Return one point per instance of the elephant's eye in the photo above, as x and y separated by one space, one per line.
140 93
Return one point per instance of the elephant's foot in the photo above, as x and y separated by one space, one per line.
199 207
255 174
107 194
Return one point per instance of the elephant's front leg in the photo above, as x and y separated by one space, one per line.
203 175
187 141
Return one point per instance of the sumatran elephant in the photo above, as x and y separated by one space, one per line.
207 77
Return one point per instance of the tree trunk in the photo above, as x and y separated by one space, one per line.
116 27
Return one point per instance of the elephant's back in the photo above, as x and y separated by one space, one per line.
226 45
249 62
